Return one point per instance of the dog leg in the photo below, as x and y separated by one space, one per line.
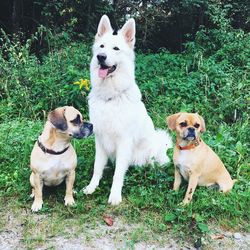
70 179
37 184
192 184
177 179
101 159
122 164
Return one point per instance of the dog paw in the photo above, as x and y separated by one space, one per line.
69 201
115 199
89 189
185 202
36 206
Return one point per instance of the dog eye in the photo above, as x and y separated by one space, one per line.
76 121
102 46
183 124
196 125
116 48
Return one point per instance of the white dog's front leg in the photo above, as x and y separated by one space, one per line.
123 156
101 159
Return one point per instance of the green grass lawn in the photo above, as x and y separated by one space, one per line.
147 194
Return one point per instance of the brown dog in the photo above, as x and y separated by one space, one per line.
193 159
53 158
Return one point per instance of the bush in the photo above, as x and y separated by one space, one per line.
32 85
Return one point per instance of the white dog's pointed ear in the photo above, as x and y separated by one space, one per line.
128 31
104 26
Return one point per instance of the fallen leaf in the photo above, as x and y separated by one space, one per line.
109 220
217 236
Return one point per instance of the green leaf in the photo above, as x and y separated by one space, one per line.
239 147
170 217
203 227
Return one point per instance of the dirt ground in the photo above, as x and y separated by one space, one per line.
104 237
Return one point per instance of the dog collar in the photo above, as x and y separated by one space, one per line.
190 146
50 151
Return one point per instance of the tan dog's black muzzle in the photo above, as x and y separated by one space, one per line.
85 130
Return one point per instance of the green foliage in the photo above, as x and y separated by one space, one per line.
30 84
211 77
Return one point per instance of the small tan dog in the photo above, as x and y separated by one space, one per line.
53 158
193 159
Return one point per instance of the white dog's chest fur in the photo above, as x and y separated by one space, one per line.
118 119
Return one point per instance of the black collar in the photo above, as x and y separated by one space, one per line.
49 151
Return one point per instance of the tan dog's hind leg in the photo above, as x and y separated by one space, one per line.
177 180
37 185
192 184
70 179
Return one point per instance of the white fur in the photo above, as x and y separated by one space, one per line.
123 130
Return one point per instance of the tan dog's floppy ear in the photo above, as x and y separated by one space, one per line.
57 118
203 126
128 31
103 27
171 121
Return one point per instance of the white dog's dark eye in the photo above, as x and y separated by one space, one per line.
102 46
116 48
196 125
183 124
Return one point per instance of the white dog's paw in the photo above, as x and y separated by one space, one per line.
89 189
115 199
36 206
69 200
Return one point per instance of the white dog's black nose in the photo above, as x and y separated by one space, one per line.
101 57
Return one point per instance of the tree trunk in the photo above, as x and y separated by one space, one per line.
16 10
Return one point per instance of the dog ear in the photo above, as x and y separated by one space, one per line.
203 126
171 121
57 118
103 27
128 31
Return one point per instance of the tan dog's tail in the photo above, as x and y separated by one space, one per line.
235 180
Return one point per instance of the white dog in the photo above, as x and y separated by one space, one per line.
123 130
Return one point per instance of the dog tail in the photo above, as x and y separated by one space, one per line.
235 180
163 142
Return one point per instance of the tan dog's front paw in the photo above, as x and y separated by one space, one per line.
185 202
69 200
37 205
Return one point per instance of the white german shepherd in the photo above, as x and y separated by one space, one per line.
123 130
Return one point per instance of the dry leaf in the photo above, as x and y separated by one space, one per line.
217 236
109 220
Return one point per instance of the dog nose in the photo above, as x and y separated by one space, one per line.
191 130
101 57
88 125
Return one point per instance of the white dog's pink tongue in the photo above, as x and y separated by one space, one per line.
103 73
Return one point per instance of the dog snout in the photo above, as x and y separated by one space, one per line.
86 129
191 130
101 57
88 126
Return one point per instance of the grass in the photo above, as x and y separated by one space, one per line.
147 196
211 77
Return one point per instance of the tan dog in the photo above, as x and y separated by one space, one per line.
193 159
53 158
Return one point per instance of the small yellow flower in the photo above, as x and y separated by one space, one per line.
83 83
